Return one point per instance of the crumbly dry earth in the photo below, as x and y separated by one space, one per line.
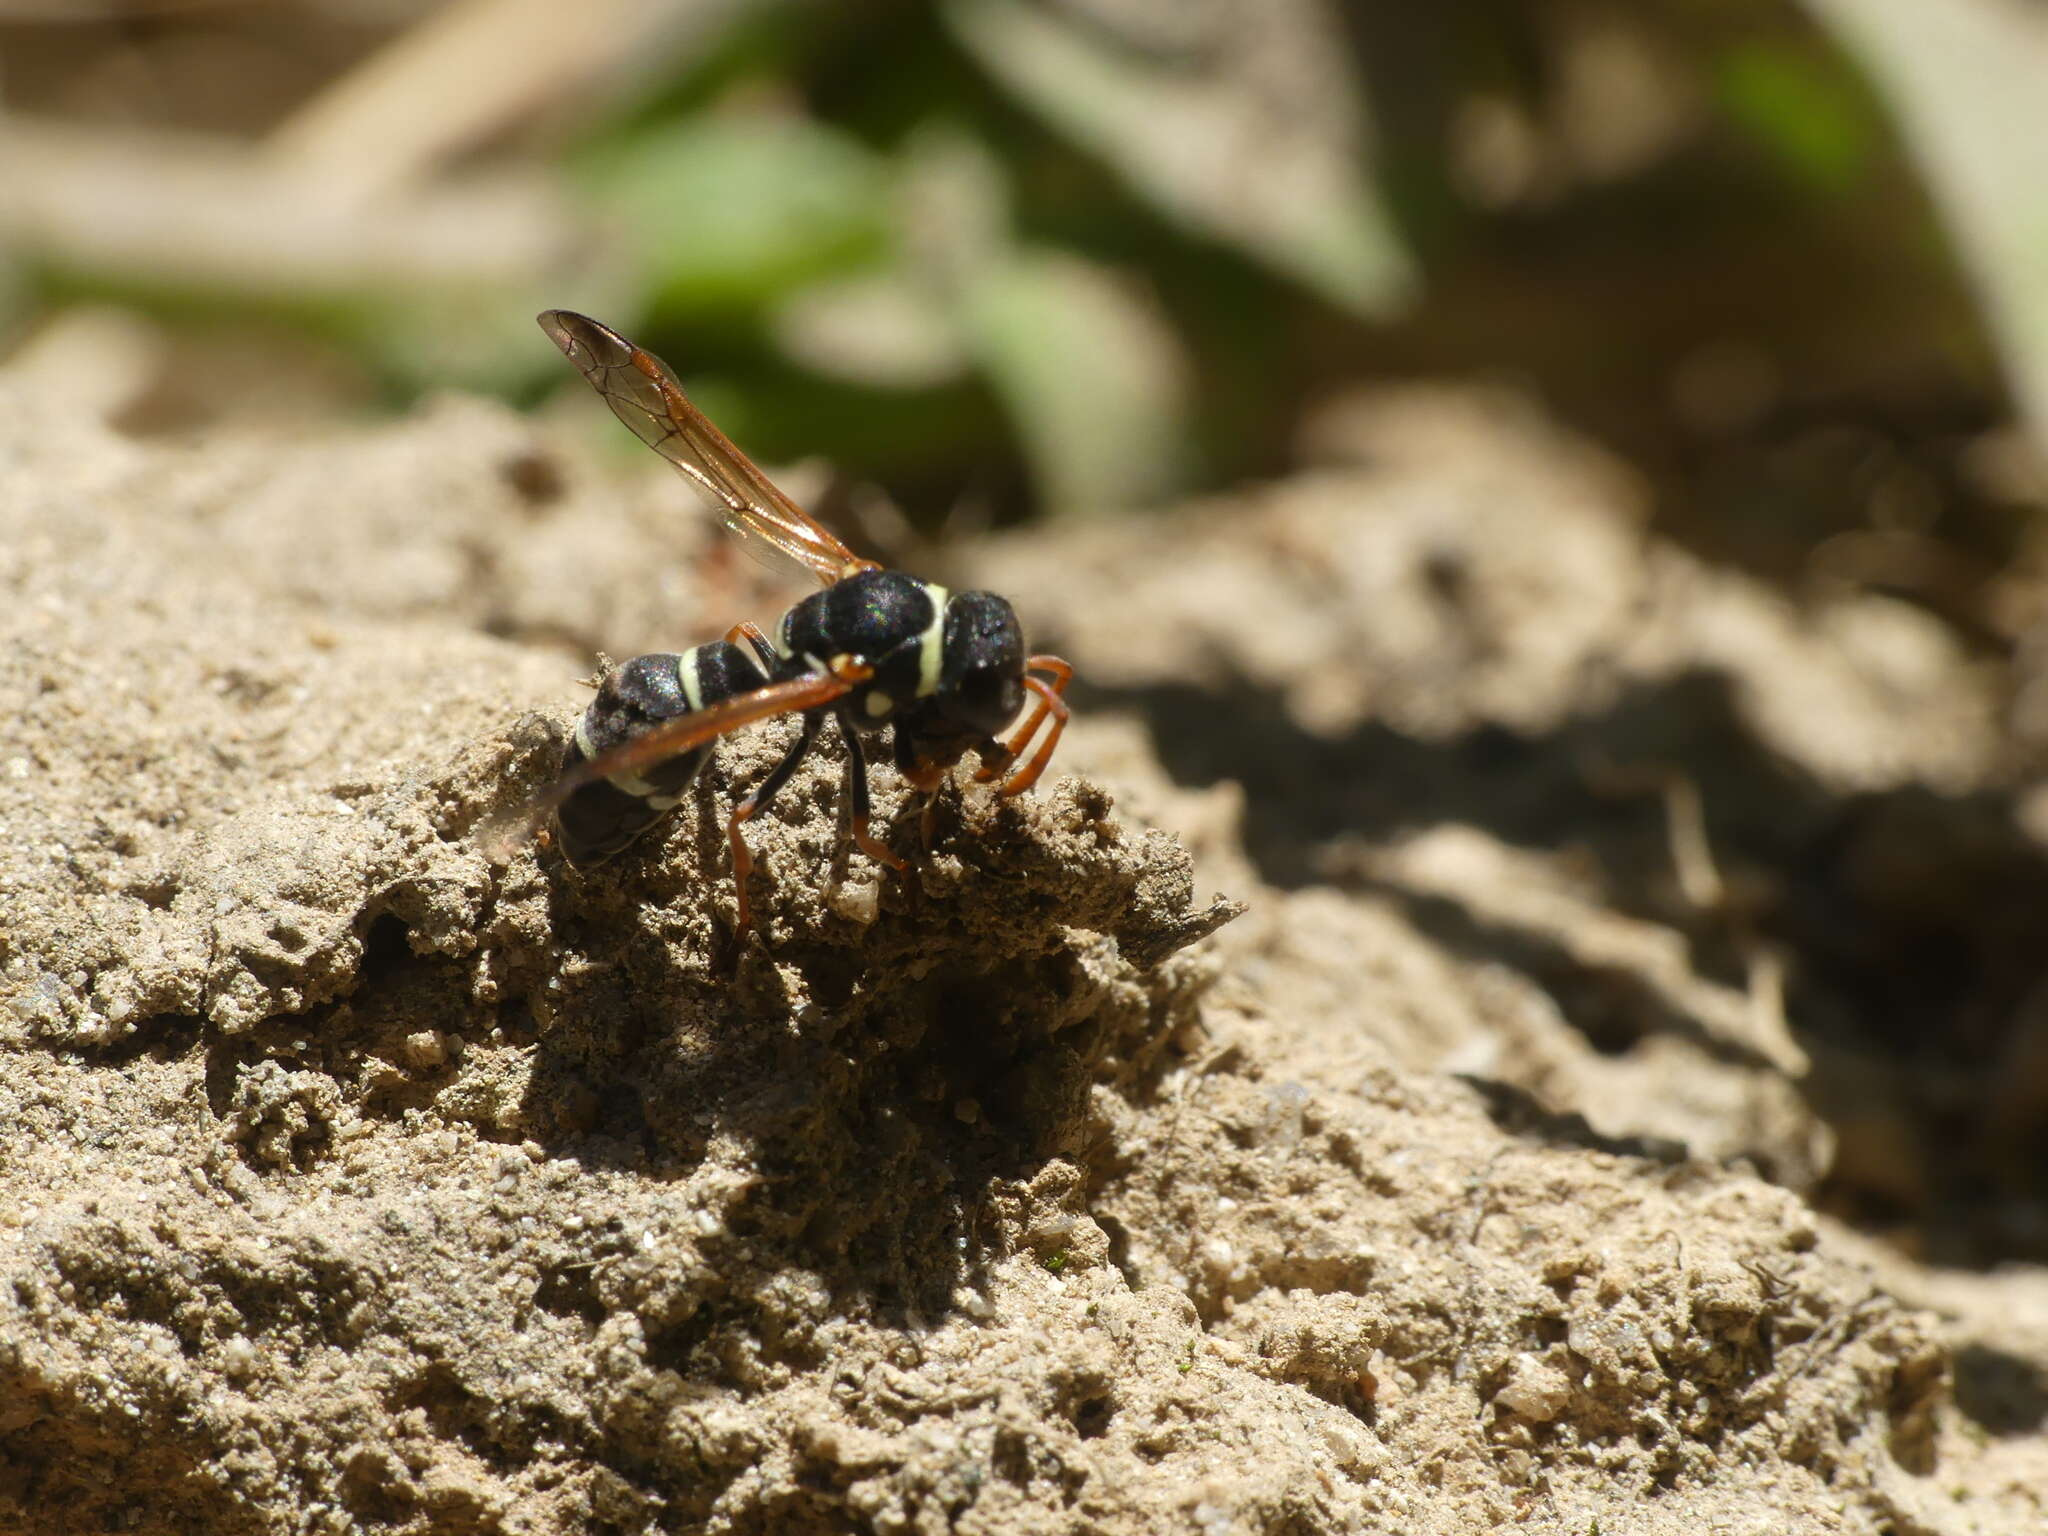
353 1181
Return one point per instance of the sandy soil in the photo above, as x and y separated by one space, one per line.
1475 1175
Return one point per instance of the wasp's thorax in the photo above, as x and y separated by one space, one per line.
943 662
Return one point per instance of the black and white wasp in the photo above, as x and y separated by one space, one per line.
947 671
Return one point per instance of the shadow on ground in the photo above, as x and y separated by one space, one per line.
1910 920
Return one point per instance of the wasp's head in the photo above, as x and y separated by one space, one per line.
981 666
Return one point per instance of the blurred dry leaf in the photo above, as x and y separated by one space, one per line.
207 217
1968 80
96 358
473 69
1624 100
194 210
1239 118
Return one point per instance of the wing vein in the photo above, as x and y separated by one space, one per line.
646 396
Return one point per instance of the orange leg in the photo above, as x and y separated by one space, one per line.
742 860
857 796
751 632
875 848
1050 699
1062 673
742 866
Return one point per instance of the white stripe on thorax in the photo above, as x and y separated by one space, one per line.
932 643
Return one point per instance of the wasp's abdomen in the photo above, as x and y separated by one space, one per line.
599 819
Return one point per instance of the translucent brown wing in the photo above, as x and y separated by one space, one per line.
643 394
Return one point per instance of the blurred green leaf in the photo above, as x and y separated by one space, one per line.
1259 151
1090 373
1805 109
1968 80
1085 362
732 211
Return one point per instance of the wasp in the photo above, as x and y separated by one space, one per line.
945 672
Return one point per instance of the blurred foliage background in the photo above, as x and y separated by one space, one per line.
1015 258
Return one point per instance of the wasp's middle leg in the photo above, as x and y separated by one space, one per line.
858 799
742 859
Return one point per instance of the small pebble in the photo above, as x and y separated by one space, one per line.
860 903
426 1048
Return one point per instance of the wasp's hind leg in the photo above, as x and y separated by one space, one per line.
742 859
753 634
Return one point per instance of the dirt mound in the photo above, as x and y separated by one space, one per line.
356 1181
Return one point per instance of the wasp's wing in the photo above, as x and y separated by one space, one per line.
644 395
672 738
